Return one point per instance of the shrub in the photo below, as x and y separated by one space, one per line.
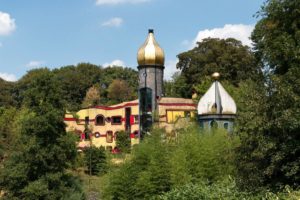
156 166
123 141
95 160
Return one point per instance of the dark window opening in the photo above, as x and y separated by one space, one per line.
100 120
116 120
136 134
226 125
87 120
86 135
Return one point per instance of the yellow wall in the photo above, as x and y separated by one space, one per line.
168 113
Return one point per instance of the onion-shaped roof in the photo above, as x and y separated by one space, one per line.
150 53
216 101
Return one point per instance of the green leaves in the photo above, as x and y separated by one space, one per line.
156 166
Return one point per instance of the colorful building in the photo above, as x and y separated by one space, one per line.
100 125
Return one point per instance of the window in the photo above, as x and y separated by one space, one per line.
109 136
87 120
136 134
116 120
97 135
116 135
86 135
226 125
136 119
173 115
99 120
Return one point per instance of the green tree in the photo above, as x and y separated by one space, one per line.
92 97
6 96
276 35
7 134
36 168
75 81
95 160
177 86
119 91
229 57
269 121
156 166
123 141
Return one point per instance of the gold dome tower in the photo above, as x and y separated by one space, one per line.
150 53
151 59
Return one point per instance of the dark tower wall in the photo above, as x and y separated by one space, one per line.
152 77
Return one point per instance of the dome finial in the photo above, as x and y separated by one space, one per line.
150 30
216 75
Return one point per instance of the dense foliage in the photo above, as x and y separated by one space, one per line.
36 167
229 57
269 119
75 82
7 134
123 141
156 166
95 160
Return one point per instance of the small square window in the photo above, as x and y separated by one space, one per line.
100 120
116 120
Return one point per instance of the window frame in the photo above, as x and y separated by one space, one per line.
112 136
100 115
112 120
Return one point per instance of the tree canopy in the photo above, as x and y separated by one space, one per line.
269 119
229 57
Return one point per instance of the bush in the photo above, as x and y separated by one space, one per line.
95 160
226 190
156 166
123 141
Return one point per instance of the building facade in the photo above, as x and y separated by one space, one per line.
100 125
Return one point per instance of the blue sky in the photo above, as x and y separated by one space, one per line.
35 33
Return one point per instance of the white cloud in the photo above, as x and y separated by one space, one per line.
114 63
7 24
8 77
238 31
170 69
117 2
113 22
35 64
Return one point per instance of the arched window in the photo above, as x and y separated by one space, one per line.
100 120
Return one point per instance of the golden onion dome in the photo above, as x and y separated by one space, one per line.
150 53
